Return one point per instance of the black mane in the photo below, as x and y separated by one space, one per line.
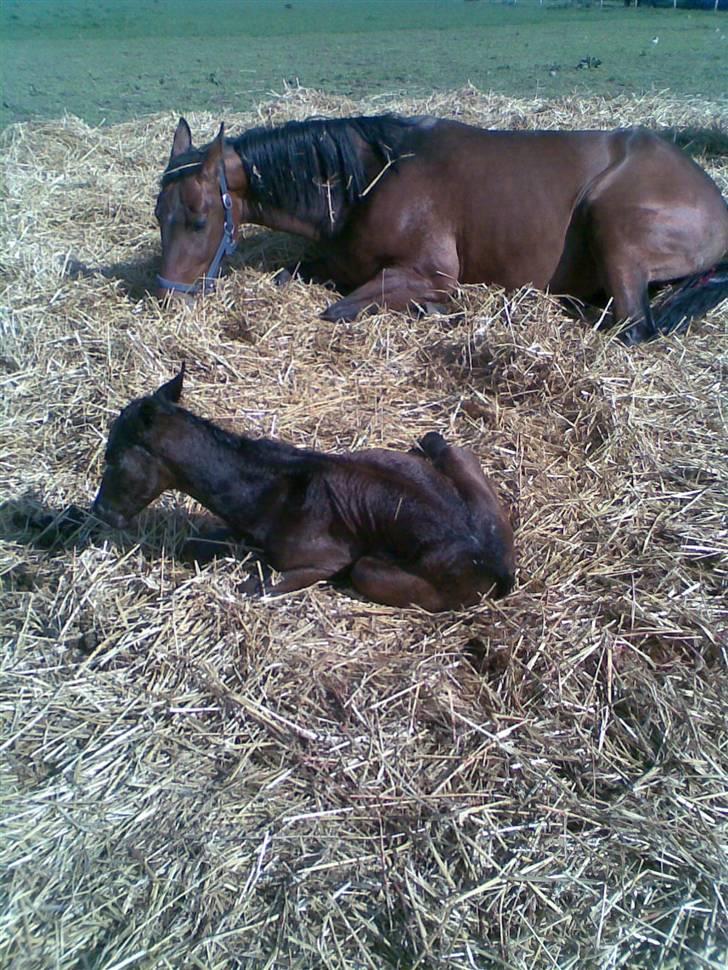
315 169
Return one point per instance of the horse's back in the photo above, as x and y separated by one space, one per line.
656 210
504 197
397 487
530 188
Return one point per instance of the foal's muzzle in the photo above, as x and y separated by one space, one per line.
115 519
504 584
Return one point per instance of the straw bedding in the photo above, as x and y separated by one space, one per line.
195 779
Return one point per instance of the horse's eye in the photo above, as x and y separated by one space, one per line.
199 224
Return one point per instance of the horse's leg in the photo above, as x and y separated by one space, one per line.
394 288
384 582
308 271
290 581
626 282
650 217
302 556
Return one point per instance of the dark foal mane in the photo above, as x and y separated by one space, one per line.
315 169
132 427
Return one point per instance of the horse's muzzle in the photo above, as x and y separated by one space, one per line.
165 292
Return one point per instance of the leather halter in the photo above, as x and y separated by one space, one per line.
225 248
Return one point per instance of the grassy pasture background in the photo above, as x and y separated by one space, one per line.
111 60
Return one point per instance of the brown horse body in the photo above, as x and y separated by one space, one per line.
405 209
408 529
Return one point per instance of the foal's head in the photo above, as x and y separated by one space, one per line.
135 474
190 211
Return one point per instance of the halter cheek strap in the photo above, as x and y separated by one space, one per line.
225 248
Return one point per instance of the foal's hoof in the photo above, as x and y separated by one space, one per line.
257 583
59 528
202 550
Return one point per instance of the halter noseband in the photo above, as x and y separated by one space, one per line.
225 248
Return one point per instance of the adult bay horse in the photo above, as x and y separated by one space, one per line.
423 528
404 209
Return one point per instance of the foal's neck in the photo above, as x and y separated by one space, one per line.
221 470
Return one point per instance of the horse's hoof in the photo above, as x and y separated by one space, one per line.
77 270
251 586
339 312
256 584
169 299
201 550
636 333
283 277
428 309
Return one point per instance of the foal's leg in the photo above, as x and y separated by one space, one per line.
302 560
290 581
203 548
385 582
395 288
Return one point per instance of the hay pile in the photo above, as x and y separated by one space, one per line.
195 779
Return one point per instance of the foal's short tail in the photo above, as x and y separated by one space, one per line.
693 298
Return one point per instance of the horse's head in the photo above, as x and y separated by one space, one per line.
135 474
195 211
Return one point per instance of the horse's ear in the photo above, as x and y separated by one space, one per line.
211 165
172 390
182 141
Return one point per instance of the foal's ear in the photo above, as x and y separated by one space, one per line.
211 165
182 141
172 390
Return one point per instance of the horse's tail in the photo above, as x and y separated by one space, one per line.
691 299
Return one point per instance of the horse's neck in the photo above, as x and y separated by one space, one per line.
272 218
287 211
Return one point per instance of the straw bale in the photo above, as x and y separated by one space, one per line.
193 778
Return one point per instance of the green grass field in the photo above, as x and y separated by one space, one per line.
110 60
